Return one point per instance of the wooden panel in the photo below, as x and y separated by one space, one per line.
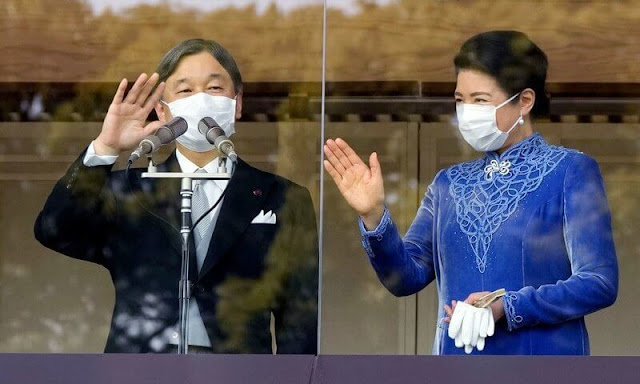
42 309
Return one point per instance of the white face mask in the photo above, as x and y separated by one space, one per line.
479 127
193 108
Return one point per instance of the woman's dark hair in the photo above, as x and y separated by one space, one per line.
171 59
512 59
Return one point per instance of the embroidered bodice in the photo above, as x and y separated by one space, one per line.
487 191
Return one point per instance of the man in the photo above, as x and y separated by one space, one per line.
253 258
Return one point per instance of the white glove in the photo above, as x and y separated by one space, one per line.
470 326
456 319
458 329
487 328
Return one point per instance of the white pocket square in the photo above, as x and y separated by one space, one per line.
264 218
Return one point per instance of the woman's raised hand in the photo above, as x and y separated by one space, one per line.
360 185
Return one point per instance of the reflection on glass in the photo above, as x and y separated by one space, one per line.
396 57
527 217
254 258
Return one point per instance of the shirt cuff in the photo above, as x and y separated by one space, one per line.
91 159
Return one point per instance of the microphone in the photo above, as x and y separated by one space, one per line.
215 135
164 135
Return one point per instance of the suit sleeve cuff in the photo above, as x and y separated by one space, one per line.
514 320
91 159
376 234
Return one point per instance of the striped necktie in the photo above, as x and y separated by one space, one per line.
199 205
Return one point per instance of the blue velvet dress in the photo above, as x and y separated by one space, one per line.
533 220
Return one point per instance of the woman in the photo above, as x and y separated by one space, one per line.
527 216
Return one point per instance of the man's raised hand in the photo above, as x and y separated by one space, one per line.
124 126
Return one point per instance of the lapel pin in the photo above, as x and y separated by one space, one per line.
257 192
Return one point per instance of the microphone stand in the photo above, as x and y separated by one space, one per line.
184 287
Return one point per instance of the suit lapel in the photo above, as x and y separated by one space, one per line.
243 198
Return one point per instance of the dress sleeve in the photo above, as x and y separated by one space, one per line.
404 266
588 236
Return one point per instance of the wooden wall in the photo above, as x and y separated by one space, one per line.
52 303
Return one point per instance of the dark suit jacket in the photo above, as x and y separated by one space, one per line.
250 271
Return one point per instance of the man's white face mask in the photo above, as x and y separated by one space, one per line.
479 128
193 108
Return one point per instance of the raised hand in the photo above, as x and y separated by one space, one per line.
124 126
359 184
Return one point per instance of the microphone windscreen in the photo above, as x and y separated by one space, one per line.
174 128
206 124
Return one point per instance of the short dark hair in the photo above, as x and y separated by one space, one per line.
512 59
171 59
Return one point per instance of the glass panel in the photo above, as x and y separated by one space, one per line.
390 85
257 292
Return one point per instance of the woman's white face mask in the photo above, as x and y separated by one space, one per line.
479 127
194 108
